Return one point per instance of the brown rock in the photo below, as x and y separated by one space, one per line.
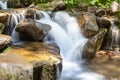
31 30
87 22
4 17
103 22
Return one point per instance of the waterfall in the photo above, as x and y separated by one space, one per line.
66 33
114 34
3 4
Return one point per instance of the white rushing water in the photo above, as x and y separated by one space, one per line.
3 4
67 35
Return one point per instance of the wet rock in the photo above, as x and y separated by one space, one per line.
114 6
4 41
33 14
100 12
100 57
59 5
30 30
1 28
30 13
44 71
87 22
94 44
103 22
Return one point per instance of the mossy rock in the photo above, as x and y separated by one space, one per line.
94 44
2 26
44 71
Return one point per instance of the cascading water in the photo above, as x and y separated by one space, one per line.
66 34
13 20
3 4
114 34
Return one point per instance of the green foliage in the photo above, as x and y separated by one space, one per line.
77 2
102 3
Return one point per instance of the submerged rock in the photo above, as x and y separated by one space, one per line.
87 22
4 41
94 44
1 28
100 57
30 30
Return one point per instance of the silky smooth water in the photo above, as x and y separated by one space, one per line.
113 37
66 33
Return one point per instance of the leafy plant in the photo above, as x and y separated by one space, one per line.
77 2
101 3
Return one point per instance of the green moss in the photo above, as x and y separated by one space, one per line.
44 5
1 27
7 49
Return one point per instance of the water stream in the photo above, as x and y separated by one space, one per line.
114 34
3 4
66 33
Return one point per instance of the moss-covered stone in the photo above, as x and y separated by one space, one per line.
94 44
44 71
1 28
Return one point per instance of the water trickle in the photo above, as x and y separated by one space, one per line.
3 4
114 34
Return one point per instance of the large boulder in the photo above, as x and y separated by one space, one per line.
1 28
30 30
4 41
87 22
30 61
94 44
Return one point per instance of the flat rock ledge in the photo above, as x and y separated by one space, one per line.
30 61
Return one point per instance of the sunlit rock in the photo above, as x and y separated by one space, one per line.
30 61
114 6
94 44
30 30
87 22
